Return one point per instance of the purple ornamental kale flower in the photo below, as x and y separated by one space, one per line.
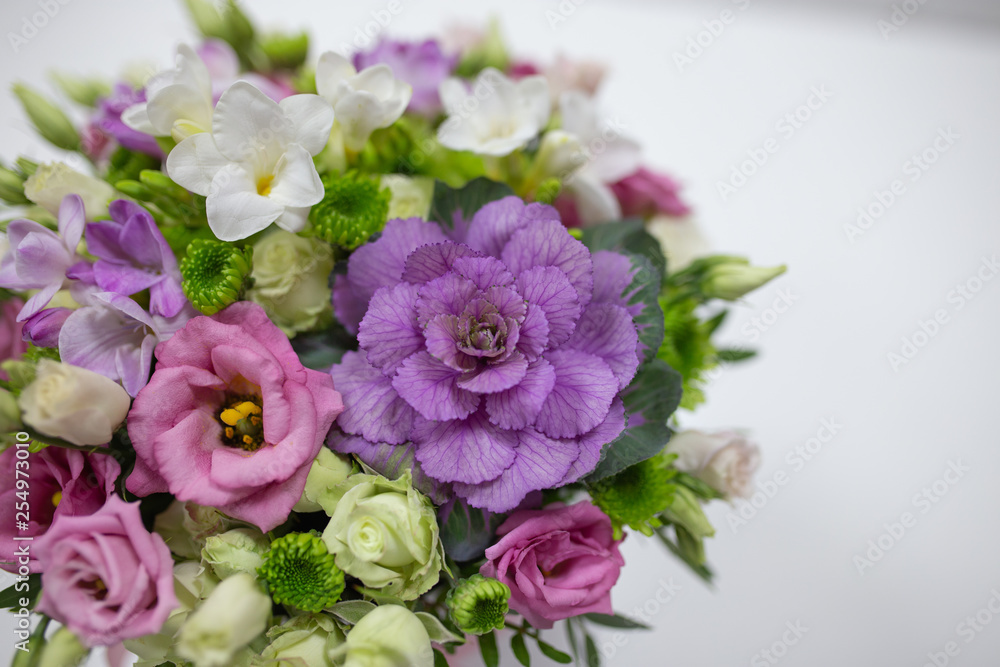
133 256
496 357
39 258
420 64
108 119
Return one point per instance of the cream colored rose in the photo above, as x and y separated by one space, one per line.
53 181
327 471
726 461
235 614
74 404
291 280
411 195
680 240
306 641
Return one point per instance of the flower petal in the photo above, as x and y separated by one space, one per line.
312 119
581 397
447 295
549 289
372 408
248 123
432 389
433 261
547 243
296 182
519 406
495 223
381 263
471 450
534 333
590 444
494 378
72 219
389 331
608 332
194 162
331 70
485 272
235 210
442 337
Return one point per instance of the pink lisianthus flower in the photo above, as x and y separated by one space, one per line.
646 193
231 418
105 577
558 562
11 344
64 482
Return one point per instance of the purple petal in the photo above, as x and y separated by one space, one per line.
92 336
547 243
390 461
140 237
389 331
347 307
372 408
42 328
533 333
72 218
549 289
613 274
519 406
381 263
132 364
123 279
539 463
167 298
508 302
591 444
442 337
432 389
608 332
494 378
485 272
495 223
447 295
433 261
470 450
41 259
579 401
102 240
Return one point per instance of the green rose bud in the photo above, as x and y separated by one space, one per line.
237 550
388 636
327 471
685 510
291 280
50 121
233 616
63 649
384 533
303 641
733 279
478 605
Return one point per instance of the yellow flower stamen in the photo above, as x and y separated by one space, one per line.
264 185
56 498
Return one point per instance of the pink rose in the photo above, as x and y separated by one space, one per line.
646 193
105 577
558 562
231 418
64 482
11 345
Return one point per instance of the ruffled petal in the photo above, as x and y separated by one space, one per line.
471 450
519 406
432 389
494 378
372 408
581 397
548 288
608 332
485 272
381 263
389 331
447 295
591 444
547 243
433 261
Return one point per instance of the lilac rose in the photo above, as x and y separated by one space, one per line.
558 562
498 355
105 577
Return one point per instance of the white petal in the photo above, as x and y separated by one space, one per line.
191 71
332 69
296 182
312 118
376 79
453 93
595 201
177 102
136 118
293 219
579 114
194 162
250 126
619 157
534 93
358 115
235 210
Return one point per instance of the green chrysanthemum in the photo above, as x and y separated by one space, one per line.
214 273
300 572
478 604
636 496
353 208
687 347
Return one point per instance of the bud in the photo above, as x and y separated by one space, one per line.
12 188
81 90
490 52
327 471
63 649
51 182
300 572
303 640
686 511
285 51
234 615
237 550
559 155
214 274
48 119
228 23
732 279
353 208
478 604
10 414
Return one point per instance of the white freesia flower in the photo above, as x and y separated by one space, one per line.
497 116
233 615
610 157
74 404
255 166
178 101
51 182
726 461
363 101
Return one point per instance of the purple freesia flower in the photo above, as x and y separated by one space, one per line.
42 328
497 357
133 256
112 335
38 257
108 119
421 64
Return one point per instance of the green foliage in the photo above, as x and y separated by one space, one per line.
460 204
466 531
636 496
687 346
126 165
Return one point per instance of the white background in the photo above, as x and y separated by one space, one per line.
826 357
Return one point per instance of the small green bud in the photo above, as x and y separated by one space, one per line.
731 280
214 274
63 649
300 572
285 51
50 121
478 604
10 414
12 188
686 511
134 189
490 52
83 91
548 190
236 550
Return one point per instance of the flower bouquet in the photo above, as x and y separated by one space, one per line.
347 364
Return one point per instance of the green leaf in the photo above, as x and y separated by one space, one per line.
437 630
439 659
520 650
488 649
449 202
654 395
700 569
351 611
629 234
645 289
467 531
10 597
571 639
553 653
593 657
733 355
616 621
700 488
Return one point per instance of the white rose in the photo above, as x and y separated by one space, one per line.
291 280
680 239
327 471
234 615
726 461
74 404
388 636
53 181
